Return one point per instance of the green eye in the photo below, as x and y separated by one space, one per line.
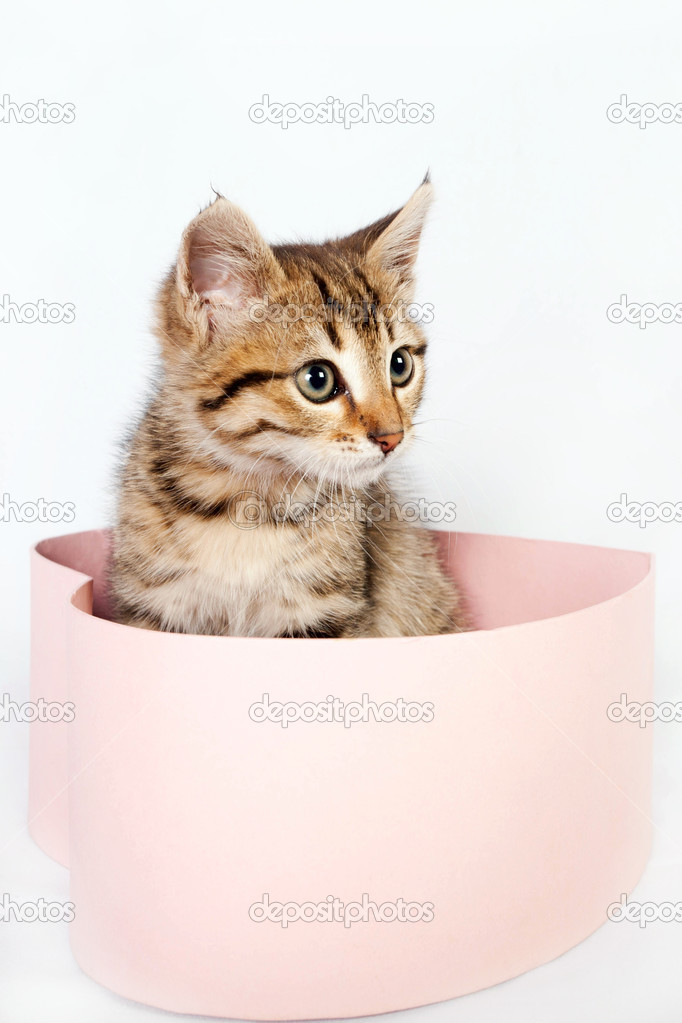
401 367
316 382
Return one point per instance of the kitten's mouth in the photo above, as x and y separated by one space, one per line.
376 462
368 469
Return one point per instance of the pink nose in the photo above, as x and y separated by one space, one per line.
387 441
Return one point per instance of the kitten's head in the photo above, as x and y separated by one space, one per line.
298 357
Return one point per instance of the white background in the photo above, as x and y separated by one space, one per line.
541 412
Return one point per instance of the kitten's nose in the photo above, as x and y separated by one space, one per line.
387 441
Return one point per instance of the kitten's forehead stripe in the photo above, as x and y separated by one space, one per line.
351 296
252 379
329 310
370 295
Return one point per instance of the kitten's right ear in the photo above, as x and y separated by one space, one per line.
391 244
224 265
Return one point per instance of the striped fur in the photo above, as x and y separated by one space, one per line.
228 419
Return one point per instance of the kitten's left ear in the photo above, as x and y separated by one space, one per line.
392 244
224 261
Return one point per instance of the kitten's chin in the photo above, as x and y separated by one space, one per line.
365 477
362 473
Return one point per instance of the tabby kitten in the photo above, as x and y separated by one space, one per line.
289 387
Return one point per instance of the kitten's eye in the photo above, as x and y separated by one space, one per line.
316 382
402 365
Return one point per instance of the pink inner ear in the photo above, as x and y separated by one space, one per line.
214 280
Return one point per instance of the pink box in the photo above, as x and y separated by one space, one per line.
517 809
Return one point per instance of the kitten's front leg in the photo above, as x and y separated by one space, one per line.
411 594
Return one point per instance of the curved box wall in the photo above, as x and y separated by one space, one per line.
519 811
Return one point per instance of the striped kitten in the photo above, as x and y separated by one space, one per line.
243 498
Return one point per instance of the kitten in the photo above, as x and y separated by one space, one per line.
287 376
